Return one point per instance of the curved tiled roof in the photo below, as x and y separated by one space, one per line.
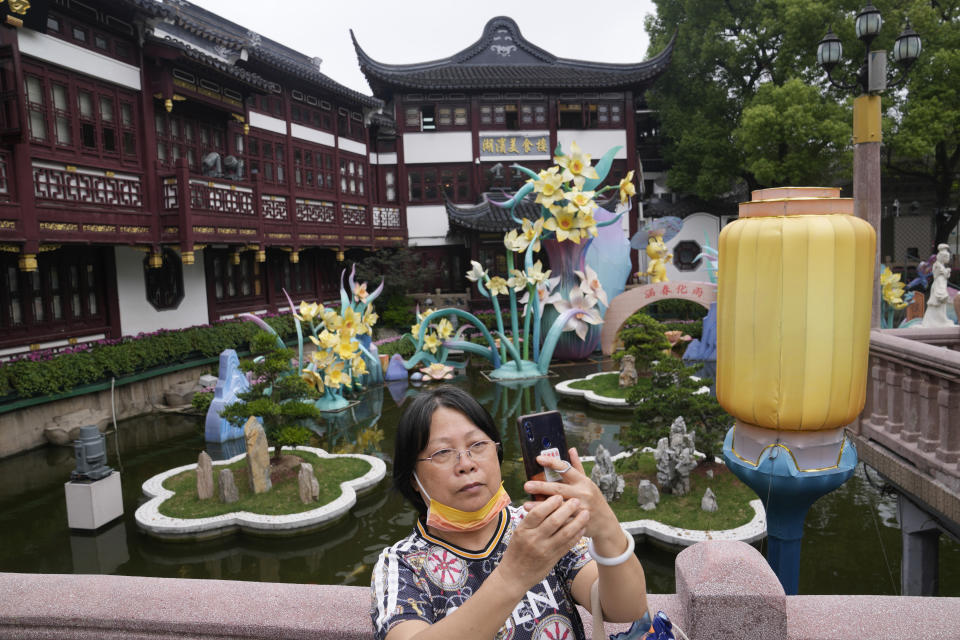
501 59
248 77
234 38
489 218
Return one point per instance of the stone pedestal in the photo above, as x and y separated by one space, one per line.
90 505
729 591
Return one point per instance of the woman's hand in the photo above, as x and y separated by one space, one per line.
546 533
574 484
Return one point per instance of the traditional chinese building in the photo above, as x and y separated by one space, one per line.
161 167
462 121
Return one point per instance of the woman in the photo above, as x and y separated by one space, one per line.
476 567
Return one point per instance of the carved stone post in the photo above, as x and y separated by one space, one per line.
911 418
929 415
894 399
949 402
878 413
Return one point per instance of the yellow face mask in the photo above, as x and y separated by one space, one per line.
445 518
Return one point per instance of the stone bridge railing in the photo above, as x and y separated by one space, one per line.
724 590
910 427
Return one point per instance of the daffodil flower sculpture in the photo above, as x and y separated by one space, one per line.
893 295
345 359
567 194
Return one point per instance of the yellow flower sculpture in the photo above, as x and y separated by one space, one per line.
531 232
515 241
576 166
627 190
351 323
347 347
360 292
549 188
537 275
358 366
892 288
309 311
444 329
313 379
564 223
498 286
336 376
332 320
431 343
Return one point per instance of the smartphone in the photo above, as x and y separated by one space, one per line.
542 434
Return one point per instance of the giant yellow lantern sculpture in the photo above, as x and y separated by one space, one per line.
793 335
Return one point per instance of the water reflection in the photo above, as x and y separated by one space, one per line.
100 552
847 537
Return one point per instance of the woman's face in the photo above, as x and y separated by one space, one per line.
469 483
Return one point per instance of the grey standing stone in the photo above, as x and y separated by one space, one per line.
258 456
204 476
228 488
314 488
604 476
647 495
305 482
628 371
710 473
675 459
709 501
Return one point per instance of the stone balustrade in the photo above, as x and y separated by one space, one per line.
913 412
724 590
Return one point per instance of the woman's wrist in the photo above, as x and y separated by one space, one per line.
612 554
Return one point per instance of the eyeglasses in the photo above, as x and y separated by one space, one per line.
450 457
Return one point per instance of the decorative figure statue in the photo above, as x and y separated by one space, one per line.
211 166
657 252
936 315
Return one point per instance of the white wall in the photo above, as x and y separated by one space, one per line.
71 56
697 227
427 225
138 316
438 146
596 142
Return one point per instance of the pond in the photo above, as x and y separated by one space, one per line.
851 544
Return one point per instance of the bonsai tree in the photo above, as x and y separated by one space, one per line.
643 338
670 392
281 399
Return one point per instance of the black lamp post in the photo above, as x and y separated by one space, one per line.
870 80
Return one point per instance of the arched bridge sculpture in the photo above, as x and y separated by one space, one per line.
632 300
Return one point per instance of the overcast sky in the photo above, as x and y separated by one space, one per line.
400 31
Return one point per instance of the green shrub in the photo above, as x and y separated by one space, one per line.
397 312
403 346
201 401
283 401
40 375
675 309
668 393
643 338
693 329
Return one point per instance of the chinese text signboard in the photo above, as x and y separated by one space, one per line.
513 145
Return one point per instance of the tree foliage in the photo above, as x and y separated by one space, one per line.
669 393
279 397
922 139
745 102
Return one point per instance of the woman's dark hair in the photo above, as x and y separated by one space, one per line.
413 433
